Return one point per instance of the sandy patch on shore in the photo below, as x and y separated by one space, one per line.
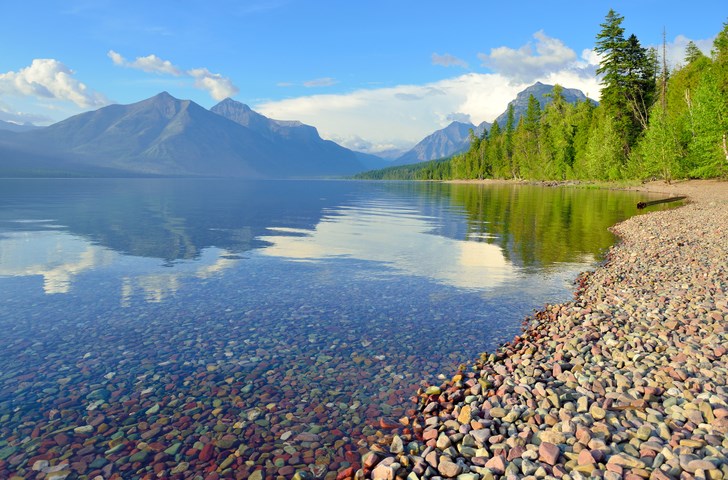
696 190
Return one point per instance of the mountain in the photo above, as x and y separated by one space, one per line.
454 138
17 127
541 92
302 139
167 136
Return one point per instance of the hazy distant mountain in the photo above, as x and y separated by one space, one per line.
302 139
17 127
541 92
166 136
454 138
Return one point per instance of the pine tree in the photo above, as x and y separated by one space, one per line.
628 78
692 52
508 143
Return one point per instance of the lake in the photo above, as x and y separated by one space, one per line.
178 327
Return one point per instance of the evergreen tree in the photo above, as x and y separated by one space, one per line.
557 137
692 52
495 155
508 143
628 78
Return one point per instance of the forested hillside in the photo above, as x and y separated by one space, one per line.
650 123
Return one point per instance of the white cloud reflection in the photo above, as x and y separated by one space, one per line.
61 259
398 237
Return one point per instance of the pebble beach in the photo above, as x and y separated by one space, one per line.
627 381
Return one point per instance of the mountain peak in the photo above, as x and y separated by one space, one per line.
230 103
164 95
541 92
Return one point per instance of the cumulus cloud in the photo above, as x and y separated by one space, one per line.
399 117
216 85
390 116
320 82
51 79
530 62
149 64
448 60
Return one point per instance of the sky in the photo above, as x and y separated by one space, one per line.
372 75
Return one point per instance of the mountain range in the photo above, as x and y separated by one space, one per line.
165 136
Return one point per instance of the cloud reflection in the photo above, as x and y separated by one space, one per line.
61 259
399 237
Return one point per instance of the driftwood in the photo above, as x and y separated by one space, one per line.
642 205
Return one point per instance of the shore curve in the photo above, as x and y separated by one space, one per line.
627 381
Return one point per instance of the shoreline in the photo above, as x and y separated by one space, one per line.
628 380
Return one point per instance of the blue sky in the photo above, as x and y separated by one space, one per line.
371 74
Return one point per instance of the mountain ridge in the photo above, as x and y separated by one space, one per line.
163 135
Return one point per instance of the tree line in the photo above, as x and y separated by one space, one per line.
650 123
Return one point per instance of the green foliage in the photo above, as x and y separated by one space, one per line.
635 133
660 150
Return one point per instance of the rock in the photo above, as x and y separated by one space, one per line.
548 453
397 446
369 459
256 475
552 436
385 470
448 468
698 464
433 390
443 442
464 416
585 458
496 465
497 412
624 460
597 412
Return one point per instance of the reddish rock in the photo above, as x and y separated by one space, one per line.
515 452
585 458
345 474
206 453
496 465
429 434
548 453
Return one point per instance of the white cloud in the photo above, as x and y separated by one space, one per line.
116 58
399 117
528 63
320 82
448 60
149 64
51 79
676 49
216 85
396 117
